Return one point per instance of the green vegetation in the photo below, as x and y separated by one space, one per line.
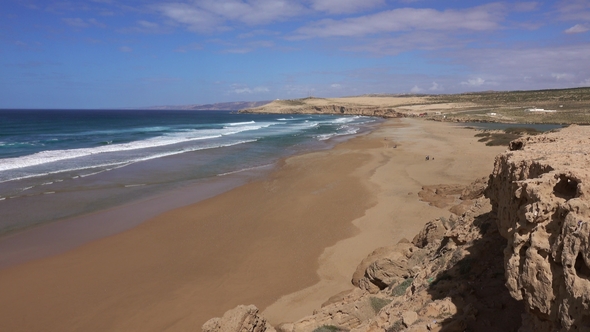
496 139
571 106
539 98
522 131
378 303
396 327
292 102
509 134
400 289
329 328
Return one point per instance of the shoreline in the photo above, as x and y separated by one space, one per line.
252 244
58 236
399 213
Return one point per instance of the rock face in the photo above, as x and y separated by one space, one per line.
516 260
329 109
539 193
241 319
450 278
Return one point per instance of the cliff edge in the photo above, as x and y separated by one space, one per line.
539 195
517 258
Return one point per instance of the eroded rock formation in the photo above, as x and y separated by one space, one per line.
539 193
240 319
516 260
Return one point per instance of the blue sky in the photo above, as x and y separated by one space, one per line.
134 53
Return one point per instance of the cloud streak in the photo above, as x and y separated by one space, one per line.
482 18
213 15
345 6
578 28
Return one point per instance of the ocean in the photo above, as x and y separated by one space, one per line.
56 164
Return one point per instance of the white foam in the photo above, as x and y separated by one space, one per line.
89 174
350 131
244 169
116 131
346 119
128 162
240 123
49 156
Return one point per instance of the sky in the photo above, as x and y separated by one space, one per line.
140 53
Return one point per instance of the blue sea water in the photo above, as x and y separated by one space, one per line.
92 159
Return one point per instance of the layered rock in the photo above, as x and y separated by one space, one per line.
539 194
384 112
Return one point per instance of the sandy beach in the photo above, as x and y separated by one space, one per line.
285 243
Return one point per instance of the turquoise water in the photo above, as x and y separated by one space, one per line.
60 163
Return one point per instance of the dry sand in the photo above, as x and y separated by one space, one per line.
250 245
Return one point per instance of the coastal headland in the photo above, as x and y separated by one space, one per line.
562 106
284 243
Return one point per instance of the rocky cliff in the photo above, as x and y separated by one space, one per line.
539 193
300 107
516 259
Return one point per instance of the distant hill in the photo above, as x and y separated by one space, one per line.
231 106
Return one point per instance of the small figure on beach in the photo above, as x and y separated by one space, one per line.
427 157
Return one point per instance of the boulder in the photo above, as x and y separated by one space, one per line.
240 319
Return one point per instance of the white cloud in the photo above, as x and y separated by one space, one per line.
525 6
562 76
436 87
212 15
586 82
148 24
247 47
336 86
144 26
416 40
416 89
578 28
345 6
125 49
196 19
82 23
506 67
571 10
189 47
246 90
474 82
407 19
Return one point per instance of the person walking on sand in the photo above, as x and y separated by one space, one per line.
427 157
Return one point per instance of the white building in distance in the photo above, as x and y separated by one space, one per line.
542 110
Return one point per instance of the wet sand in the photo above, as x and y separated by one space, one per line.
256 244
